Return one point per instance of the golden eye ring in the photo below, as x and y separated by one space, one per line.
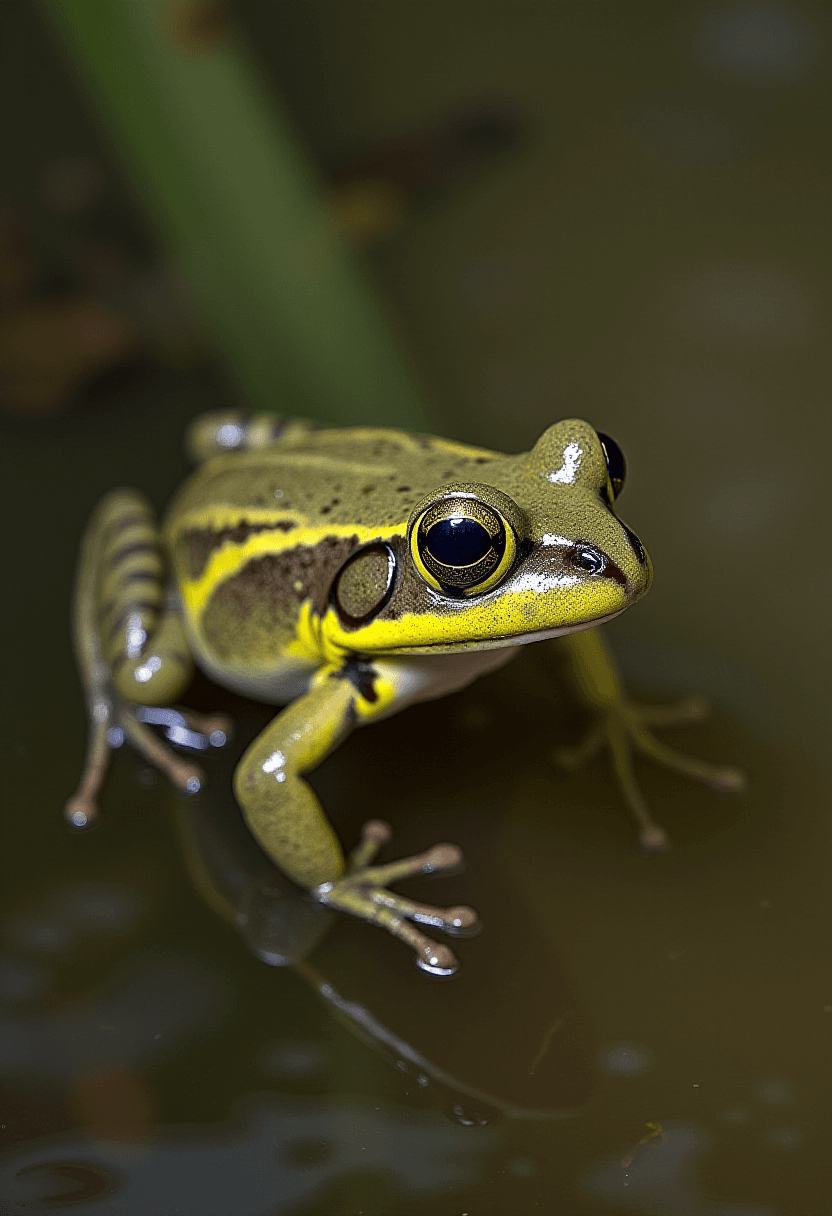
463 538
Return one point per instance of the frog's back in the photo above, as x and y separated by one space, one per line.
367 476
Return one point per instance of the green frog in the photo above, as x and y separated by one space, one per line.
346 574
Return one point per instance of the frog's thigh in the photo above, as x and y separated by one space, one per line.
122 596
279 807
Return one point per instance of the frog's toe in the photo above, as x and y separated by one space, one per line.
183 774
653 838
461 922
82 808
441 859
212 730
80 811
725 778
437 959
185 728
376 830
374 834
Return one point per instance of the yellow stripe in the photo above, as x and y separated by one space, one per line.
506 616
310 643
230 558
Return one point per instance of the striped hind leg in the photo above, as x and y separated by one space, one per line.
222 432
129 643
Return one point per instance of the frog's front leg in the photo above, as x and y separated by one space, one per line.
625 726
285 816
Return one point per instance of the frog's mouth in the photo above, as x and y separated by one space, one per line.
504 641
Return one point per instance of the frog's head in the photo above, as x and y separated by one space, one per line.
535 551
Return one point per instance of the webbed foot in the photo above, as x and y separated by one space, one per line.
628 727
363 891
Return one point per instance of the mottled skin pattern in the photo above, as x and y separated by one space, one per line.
297 574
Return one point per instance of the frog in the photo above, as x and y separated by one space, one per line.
344 574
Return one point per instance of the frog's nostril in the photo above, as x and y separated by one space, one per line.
589 559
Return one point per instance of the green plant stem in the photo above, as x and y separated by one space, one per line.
210 154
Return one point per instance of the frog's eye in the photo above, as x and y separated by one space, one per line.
462 542
616 464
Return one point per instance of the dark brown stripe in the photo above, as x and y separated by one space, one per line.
140 546
362 675
127 521
123 603
201 542
610 569
261 600
140 576
614 572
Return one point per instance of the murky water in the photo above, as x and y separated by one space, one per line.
629 1033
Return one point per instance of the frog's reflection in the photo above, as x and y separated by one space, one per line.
505 1035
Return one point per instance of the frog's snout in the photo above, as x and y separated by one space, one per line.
641 585
640 580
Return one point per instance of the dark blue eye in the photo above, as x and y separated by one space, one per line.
458 544
458 541
616 464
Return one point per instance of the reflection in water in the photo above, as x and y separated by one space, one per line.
785 1137
236 1169
21 980
625 1059
59 1183
760 43
435 1042
774 1091
689 133
155 1004
293 1059
71 914
664 1179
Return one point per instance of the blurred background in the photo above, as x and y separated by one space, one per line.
470 218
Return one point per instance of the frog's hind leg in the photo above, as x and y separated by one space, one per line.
223 432
129 642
